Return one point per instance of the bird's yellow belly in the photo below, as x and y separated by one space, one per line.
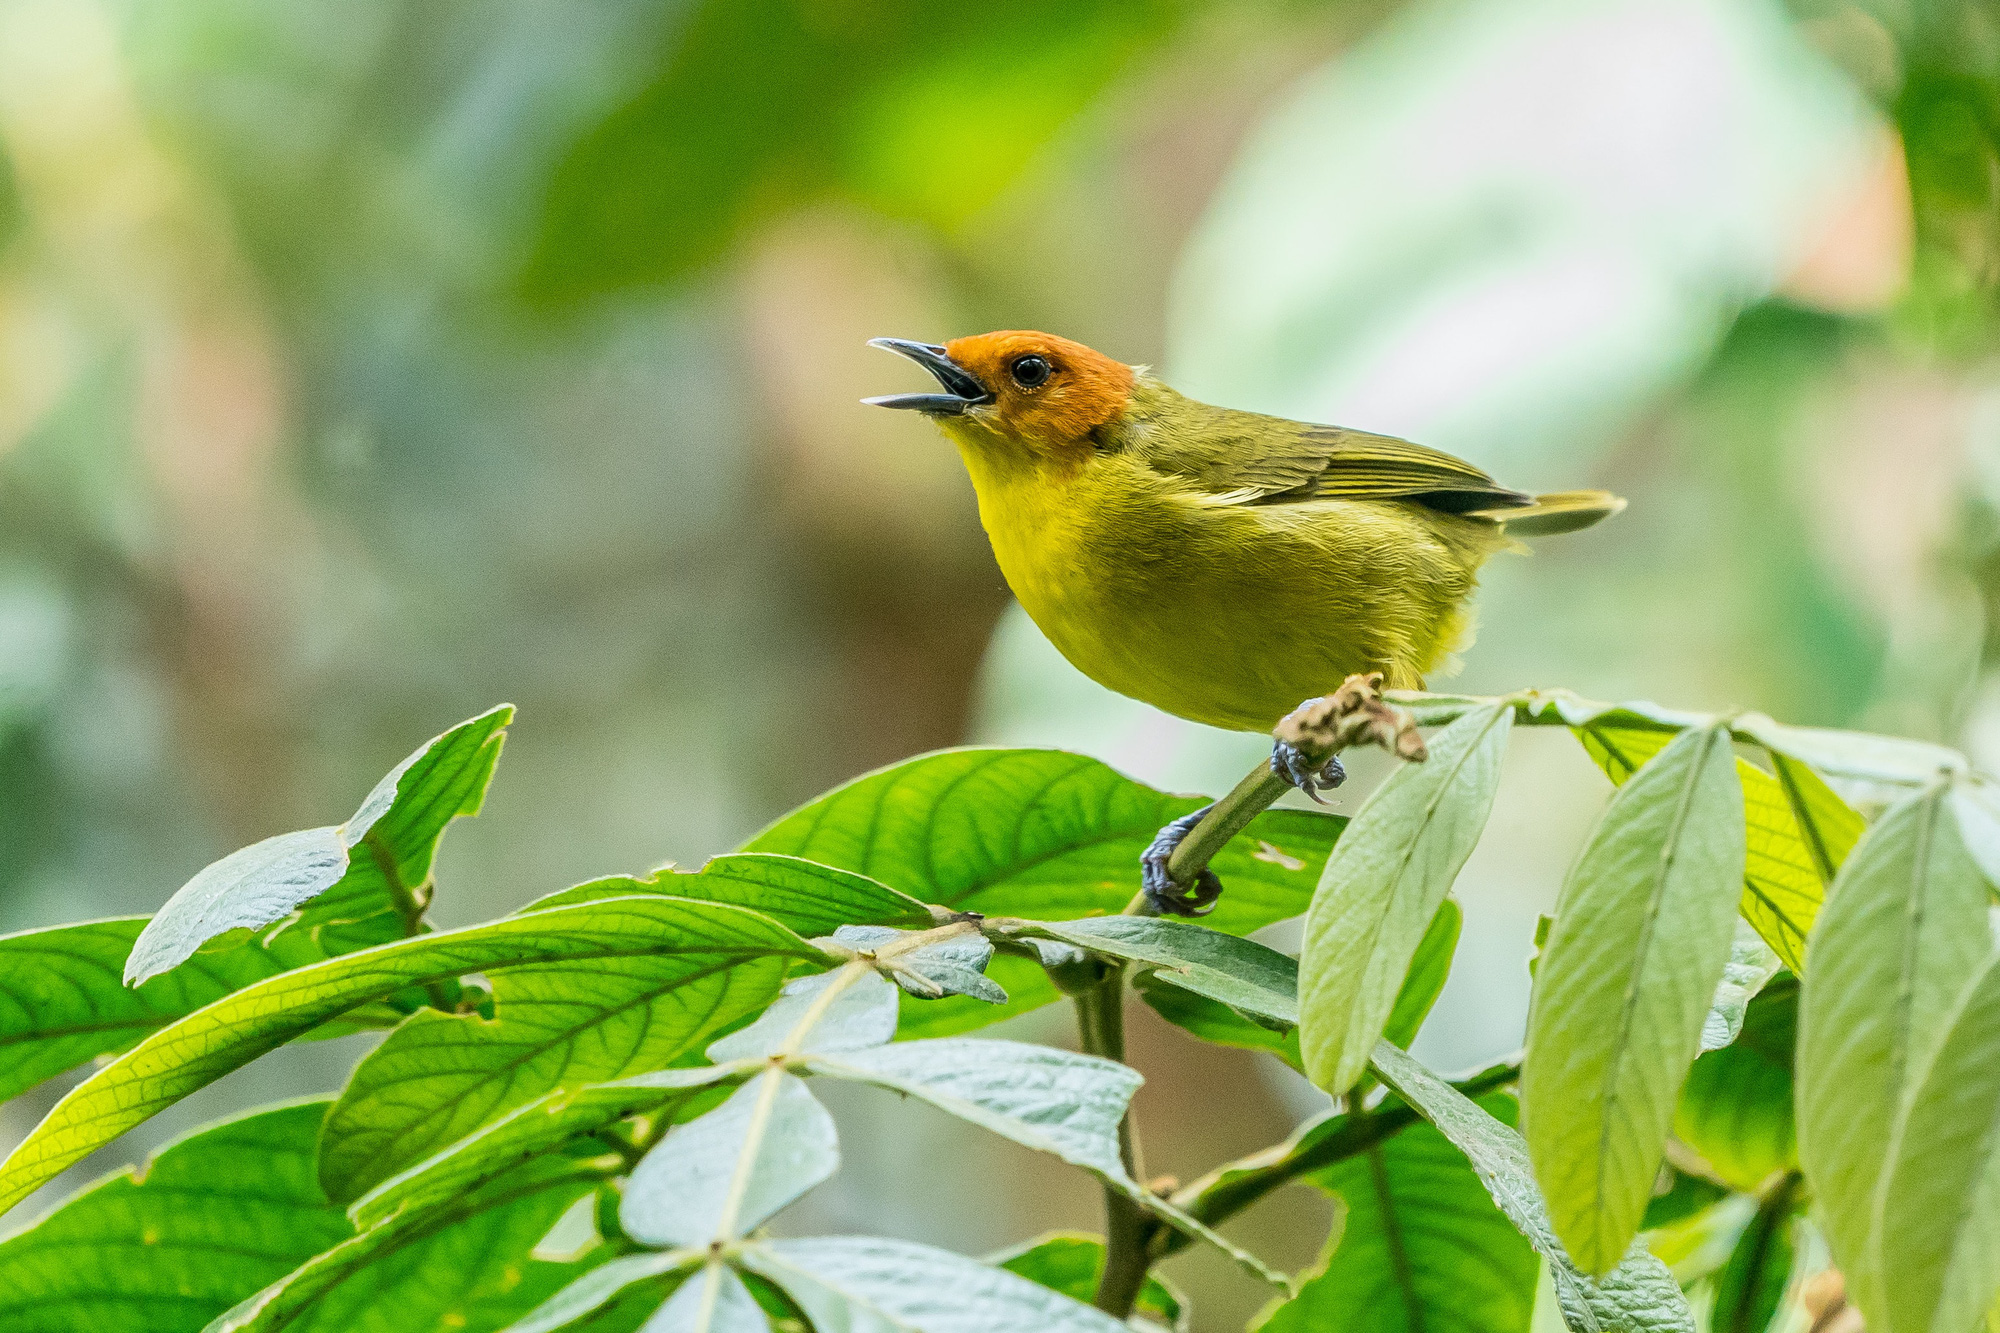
1230 616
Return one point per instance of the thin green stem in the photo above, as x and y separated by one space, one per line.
1256 793
409 903
1128 1230
1228 1190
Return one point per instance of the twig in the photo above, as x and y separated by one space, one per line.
1318 729
1229 1189
1128 1230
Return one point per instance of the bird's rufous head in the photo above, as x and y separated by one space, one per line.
1032 386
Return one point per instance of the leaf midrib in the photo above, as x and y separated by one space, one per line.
1670 847
1375 929
533 1051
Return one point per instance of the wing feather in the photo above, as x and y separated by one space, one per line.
1245 458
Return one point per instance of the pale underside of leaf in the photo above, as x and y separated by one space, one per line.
604 1284
1052 1101
1638 1296
862 1283
723 1174
1633 961
1382 887
373 865
1939 1238
1904 931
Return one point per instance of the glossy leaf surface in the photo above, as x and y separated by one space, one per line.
230 1033
214 1218
1041 834
1423 1248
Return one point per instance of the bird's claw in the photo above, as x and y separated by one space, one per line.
1165 896
1289 762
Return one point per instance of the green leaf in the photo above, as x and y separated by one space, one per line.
954 964
711 1301
1797 831
559 1024
1862 756
660 1270
1251 978
1736 1107
1430 968
1423 1250
1072 1262
374 870
861 1013
1752 1284
1215 1022
1940 1228
212 1218
809 898
1039 834
62 1001
1641 935
1053 1101
543 1126
1904 931
694 1187
1686 1196
1382 886
1638 1296
464 1264
860 1284
1828 826
727 949
1752 963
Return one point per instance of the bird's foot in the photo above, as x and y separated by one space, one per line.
1162 894
1292 763
1305 744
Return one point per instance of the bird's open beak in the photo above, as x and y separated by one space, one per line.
963 389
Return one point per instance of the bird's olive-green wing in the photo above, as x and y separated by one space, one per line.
1245 458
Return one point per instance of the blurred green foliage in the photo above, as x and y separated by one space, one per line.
921 109
1947 109
363 363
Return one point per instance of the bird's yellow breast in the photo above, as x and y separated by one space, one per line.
1228 614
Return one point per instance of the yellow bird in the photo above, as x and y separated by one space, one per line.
1217 564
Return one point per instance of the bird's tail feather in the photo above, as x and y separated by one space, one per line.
1558 511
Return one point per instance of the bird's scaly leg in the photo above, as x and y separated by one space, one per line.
1164 896
1291 762
1304 750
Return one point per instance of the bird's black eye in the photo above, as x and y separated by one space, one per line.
1030 372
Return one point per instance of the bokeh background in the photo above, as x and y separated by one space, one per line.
363 364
